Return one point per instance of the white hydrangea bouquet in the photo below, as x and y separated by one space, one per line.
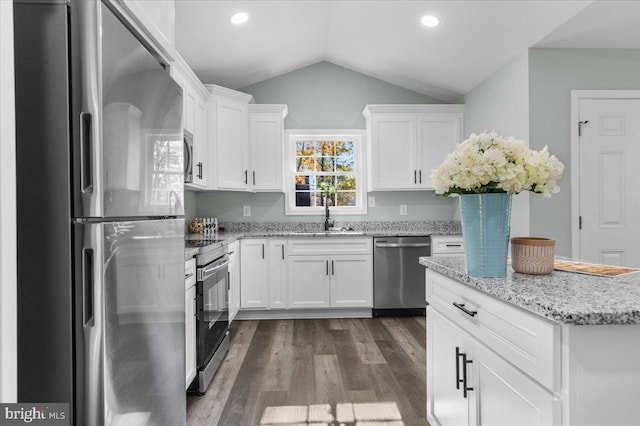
487 163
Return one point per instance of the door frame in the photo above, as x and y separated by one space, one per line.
576 97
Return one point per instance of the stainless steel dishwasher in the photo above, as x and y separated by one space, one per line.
398 277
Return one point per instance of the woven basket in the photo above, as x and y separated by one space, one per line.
532 255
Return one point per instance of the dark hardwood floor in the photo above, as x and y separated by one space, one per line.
329 371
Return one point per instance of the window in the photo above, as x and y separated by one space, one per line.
324 165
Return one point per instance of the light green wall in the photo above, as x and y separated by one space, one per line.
553 73
501 103
325 96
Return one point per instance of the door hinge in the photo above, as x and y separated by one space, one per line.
579 222
580 123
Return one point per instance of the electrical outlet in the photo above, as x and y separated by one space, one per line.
246 210
371 201
403 209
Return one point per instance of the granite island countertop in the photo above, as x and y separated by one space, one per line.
564 297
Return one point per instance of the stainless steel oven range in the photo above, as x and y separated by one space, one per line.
212 311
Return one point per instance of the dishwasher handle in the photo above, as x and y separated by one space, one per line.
402 245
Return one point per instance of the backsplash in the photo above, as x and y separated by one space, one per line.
227 206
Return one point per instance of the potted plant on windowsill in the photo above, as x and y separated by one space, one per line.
485 170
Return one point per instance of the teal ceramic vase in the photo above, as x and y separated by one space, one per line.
486 222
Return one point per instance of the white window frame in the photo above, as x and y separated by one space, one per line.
358 137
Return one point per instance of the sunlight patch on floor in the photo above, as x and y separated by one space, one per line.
347 414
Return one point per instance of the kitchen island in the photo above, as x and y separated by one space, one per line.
556 349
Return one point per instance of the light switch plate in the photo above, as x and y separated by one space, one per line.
246 210
403 209
371 201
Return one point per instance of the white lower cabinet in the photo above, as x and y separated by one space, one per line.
190 321
320 279
300 273
254 290
488 363
471 385
263 275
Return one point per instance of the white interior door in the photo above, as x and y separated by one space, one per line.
609 146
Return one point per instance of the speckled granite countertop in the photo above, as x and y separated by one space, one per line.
564 297
235 230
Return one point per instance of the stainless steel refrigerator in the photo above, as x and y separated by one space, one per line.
100 217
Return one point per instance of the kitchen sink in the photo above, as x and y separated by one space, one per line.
336 232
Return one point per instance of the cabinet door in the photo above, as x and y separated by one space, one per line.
231 141
446 404
351 281
254 283
200 144
266 151
277 274
190 334
308 281
438 134
392 152
506 396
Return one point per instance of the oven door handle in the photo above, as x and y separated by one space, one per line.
206 273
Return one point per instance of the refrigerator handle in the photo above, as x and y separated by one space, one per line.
86 153
87 287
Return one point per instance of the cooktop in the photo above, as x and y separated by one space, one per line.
202 242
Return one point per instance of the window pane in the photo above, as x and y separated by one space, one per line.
326 182
306 149
346 183
326 164
344 146
345 162
303 199
326 148
346 198
305 164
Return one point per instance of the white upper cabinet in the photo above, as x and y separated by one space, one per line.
266 147
229 139
406 142
194 120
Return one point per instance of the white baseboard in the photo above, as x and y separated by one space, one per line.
303 314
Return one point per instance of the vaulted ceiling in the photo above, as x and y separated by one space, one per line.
385 39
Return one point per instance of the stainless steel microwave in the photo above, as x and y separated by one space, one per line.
188 157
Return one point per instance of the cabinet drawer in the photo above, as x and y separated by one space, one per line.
189 273
446 245
331 245
528 341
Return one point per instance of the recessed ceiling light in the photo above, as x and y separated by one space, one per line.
430 21
239 18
